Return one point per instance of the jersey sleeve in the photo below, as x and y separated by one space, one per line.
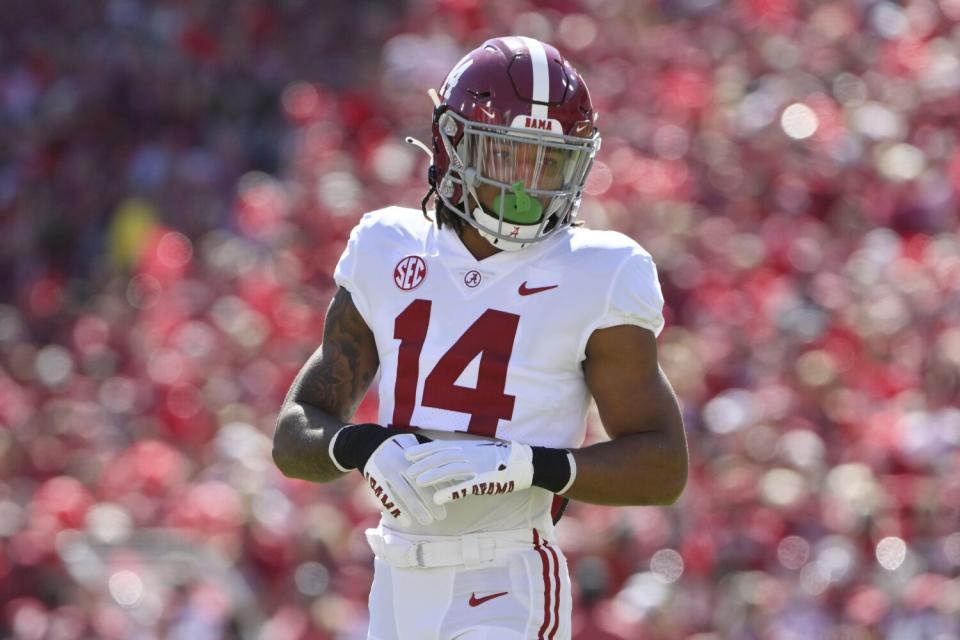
345 272
634 298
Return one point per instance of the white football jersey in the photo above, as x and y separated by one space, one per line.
494 347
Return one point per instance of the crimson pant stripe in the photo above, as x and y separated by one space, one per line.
556 594
546 584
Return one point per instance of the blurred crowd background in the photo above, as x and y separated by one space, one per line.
177 180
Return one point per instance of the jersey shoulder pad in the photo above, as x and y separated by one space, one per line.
399 219
393 225
596 245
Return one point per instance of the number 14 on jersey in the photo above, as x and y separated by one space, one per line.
491 337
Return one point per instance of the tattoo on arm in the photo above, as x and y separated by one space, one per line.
339 373
325 394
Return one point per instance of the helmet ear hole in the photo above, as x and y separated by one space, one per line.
449 125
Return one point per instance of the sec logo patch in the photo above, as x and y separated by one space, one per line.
410 272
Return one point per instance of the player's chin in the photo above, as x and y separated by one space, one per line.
485 202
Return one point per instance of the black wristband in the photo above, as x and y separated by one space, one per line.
355 443
551 468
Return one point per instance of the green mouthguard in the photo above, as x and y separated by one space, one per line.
518 207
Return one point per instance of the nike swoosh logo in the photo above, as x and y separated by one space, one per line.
475 601
524 291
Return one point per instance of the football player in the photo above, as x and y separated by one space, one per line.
493 319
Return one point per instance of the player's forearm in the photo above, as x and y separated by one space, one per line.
325 394
647 468
301 443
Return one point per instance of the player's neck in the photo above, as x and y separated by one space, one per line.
476 244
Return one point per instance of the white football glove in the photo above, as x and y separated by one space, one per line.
398 497
491 467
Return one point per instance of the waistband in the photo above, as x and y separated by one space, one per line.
427 552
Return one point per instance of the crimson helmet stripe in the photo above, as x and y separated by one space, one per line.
541 77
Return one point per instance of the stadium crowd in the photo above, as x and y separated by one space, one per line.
177 181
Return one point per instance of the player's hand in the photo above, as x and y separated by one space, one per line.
396 495
474 467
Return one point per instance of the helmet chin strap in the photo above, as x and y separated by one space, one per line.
520 234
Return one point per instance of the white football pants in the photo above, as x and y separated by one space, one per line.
510 585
